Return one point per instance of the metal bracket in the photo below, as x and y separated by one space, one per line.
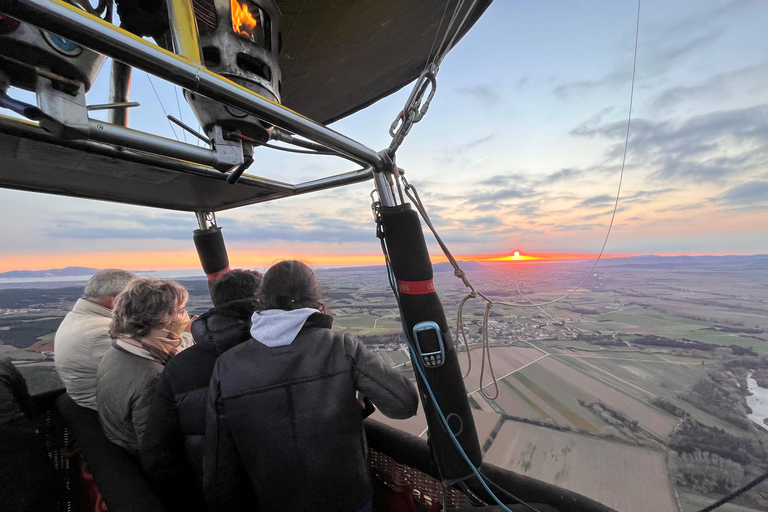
66 115
229 152
206 220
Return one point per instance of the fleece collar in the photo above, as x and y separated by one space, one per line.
86 307
277 327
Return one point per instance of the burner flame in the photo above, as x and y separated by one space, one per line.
243 22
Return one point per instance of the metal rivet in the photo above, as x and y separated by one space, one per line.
100 127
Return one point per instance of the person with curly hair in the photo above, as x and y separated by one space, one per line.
148 321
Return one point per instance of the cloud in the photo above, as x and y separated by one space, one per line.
682 208
454 155
485 222
750 193
474 143
483 94
645 196
708 148
718 15
496 190
506 194
528 209
683 49
600 201
504 180
721 84
577 227
612 79
663 48
563 175
261 229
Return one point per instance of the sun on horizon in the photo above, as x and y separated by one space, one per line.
516 255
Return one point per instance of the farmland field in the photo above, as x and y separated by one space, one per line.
504 360
538 386
626 478
575 388
649 417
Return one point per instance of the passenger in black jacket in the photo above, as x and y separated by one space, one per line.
26 472
172 449
284 429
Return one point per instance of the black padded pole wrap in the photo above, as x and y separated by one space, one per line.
419 301
211 251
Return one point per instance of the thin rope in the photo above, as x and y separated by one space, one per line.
456 33
456 10
178 105
621 174
487 351
460 330
437 33
162 106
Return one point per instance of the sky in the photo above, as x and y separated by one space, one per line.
521 150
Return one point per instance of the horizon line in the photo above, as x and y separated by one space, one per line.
163 262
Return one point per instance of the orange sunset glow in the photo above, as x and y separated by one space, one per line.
526 256
172 260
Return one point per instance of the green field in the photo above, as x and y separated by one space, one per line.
642 320
567 411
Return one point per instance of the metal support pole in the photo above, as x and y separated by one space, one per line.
184 30
383 189
382 178
119 92
202 220
121 136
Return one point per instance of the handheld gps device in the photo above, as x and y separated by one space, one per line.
429 344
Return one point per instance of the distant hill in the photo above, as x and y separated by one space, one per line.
465 265
751 260
54 272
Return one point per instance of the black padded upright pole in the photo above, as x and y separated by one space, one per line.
419 302
212 252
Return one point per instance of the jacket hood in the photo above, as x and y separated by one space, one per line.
225 326
277 327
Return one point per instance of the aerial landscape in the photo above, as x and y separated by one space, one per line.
638 390
600 169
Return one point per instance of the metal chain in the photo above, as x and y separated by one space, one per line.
413 111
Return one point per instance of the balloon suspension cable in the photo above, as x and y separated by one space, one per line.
417 106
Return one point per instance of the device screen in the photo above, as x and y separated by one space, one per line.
428 341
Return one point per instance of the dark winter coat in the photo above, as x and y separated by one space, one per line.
172 450
284 427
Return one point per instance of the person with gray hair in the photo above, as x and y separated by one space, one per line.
83 336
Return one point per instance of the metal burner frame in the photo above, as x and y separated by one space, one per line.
185 69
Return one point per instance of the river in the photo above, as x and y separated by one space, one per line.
757 401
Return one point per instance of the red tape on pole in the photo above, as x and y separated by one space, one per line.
416 287
216 275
